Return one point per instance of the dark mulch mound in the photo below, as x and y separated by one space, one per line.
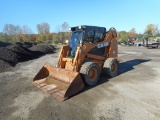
4 65
14 53
25 44
8 55
4 44
19 43
28 44
43 49
52 47
23 53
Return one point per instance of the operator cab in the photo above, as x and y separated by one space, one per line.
81 34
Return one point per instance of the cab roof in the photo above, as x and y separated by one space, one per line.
84 27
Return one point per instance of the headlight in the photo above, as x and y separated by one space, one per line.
67 41
79 27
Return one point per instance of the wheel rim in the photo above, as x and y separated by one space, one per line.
114 67
93 73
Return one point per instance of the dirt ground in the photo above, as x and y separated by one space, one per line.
133 95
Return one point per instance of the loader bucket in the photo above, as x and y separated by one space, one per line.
60 83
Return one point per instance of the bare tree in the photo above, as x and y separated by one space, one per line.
152 28
26 30
26 33
65 27
132 32
61 32
9 29
18 32
43 28
12 32
43 31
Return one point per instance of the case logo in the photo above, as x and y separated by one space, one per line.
104 44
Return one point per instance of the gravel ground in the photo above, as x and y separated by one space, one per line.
132 95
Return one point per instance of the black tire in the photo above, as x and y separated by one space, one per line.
90 73
110 67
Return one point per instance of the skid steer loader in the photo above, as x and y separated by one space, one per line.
91 51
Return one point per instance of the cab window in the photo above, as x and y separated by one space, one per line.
90 36
98 36
94 36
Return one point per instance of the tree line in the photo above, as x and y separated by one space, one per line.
15 33
150 30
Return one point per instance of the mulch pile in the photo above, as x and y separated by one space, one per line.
4 65
11 54
4 44
8 55
43 49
